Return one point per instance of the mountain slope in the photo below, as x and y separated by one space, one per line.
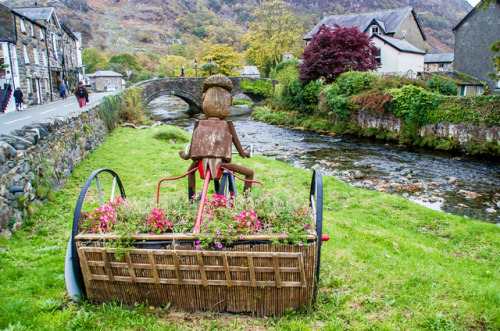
152 25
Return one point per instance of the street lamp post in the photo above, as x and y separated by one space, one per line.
196 67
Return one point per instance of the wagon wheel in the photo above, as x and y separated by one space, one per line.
316 202
72 271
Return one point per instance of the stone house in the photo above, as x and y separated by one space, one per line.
99 79
48 17
24 52
473 36
438 62
400 36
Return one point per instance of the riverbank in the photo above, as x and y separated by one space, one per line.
382 127
389 263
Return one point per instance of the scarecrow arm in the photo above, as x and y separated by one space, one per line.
188 155
236 141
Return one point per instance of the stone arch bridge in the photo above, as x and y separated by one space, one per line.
189 89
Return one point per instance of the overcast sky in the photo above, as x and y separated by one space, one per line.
473 2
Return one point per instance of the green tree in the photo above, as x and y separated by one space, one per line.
171 66
93 59
124 62
275 30
227 59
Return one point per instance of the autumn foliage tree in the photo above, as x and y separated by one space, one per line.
334 50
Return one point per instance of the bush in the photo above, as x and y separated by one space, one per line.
393 82
442 86
372 102
132 109
413 104
299 96
338 104
353 82
258 86
143 75
285 71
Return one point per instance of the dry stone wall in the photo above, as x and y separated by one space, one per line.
463 133
41 156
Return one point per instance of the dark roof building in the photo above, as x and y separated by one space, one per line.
399 44
473 36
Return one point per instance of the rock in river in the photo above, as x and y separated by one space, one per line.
490 211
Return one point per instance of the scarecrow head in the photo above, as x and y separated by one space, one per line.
217 99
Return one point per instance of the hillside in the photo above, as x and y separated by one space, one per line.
152 25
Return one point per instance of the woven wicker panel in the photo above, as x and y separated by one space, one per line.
187 267
175 277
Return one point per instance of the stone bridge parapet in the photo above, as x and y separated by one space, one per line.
189 89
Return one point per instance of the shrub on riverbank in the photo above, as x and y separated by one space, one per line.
390 263
126 106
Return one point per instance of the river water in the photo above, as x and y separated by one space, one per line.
453 184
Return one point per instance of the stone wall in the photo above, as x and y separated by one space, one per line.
461 132
43 155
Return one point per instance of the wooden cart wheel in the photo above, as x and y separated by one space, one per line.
72 271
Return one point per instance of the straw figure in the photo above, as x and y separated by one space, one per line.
213 138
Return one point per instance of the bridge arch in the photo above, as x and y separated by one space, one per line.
189 89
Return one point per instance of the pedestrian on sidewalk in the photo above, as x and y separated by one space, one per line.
81 94
18 96
62 90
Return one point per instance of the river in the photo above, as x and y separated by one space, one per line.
453 184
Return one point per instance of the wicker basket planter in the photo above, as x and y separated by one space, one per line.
252 276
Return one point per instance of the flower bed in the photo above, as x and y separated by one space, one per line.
251 255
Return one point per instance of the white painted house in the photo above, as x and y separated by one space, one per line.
398 56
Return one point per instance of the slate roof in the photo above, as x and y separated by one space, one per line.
389 20
37 13
104 73
249 70
400 44
7 33
439 58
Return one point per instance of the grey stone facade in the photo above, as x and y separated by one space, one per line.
473 36
44 154
31 49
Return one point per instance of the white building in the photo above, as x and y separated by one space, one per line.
398 55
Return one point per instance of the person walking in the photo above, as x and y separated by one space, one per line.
18 96
81 94
62 90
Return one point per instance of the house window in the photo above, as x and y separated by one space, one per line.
44 58
28 85
23 27
374 29
41 35
26 57
32 29
35 56
378 55
441 66
54 44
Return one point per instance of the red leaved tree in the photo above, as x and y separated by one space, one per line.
334 50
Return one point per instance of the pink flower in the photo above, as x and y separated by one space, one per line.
219 245
300 243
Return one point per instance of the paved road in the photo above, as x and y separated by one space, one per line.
16 120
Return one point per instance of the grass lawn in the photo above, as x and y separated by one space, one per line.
390 263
